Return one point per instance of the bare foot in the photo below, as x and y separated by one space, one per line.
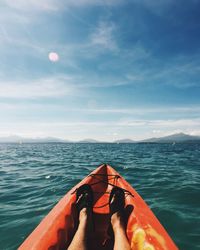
85 220
83 215
116 218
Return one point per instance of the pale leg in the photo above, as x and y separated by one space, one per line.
79 241
120 238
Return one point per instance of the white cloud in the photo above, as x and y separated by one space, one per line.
139 111
47 5
54 5
102 130
178 123
46 87
165 123
181 72
194 132
79 3
92 108
103 36
156 6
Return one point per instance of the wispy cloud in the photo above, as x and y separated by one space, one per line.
181 72
133 111
102 130
169 113
156 6
46 87
103 36
53 5
47 5
129 63
165 123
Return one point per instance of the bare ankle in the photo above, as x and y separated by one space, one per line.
117 221
83 215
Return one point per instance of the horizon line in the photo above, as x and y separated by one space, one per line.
19 138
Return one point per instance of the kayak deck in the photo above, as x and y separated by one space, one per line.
144 231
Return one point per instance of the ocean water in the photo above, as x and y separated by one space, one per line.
33 177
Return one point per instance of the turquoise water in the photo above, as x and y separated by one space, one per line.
33 177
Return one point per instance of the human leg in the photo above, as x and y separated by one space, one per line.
84 204
120 239
117 203
79 241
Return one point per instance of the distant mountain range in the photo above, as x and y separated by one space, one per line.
88 141
175 138
19 139
125 141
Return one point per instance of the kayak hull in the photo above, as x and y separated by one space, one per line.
143 229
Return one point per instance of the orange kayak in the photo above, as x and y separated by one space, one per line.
144 231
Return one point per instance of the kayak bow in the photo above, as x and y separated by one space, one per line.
144 231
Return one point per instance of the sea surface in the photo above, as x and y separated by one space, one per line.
33 177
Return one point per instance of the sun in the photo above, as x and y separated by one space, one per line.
53 57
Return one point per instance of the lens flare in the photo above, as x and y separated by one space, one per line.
53 57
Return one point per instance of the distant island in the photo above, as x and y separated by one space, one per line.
19 139
88 141
174 138
125 141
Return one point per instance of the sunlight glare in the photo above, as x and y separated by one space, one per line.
53 57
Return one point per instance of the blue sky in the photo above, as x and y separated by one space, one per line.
126 69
